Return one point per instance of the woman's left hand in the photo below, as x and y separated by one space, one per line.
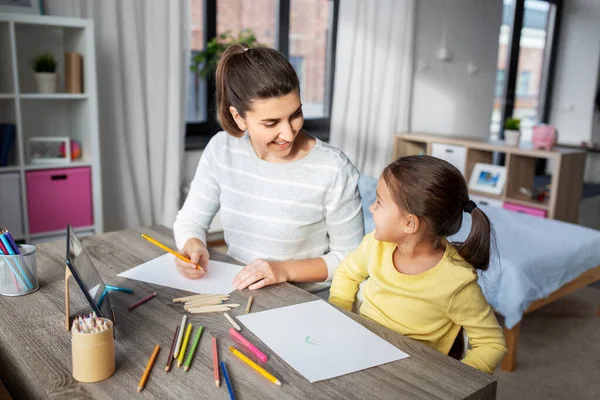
260 273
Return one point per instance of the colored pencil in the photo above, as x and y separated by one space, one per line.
148 369
119 289
11 241
142 301
227 381
180 337
170 357
190 357
249 304
102 296
168 250
183 348
200 297
235 324
216 361
254 365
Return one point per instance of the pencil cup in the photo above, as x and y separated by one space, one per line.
93 355
18 274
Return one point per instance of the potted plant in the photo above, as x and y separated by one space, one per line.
512 135
44 66
205 61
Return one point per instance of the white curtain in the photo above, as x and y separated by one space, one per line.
142 53
372 91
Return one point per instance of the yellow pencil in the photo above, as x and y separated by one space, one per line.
254 365
148 369
168 250
186 339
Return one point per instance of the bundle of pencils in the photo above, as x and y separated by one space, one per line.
90 324
206 303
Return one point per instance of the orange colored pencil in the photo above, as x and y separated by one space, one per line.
148 369
168 250
216 361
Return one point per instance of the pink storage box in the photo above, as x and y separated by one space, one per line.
536 212
57 197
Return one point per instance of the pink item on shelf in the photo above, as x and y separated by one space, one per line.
536 212
57 197
251 348
544 137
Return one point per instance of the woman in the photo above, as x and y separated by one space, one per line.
289 203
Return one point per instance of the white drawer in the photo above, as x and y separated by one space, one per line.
455 155
11 215
487 201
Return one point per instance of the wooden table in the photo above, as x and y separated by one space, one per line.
36 349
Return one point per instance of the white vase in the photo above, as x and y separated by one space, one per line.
512 137
46 82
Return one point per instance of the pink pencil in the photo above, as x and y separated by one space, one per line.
251 348
142 301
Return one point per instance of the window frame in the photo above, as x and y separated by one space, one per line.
509 94
198 134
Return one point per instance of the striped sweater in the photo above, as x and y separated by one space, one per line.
306 208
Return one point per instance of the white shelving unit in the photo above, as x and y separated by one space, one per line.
61 114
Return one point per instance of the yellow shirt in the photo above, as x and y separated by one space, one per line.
429 307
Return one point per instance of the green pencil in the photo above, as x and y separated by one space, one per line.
188 361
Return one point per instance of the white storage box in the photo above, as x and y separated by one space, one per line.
487 201
455 155
11 215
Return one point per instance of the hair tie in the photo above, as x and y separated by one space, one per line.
470 206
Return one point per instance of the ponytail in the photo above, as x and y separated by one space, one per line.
476 249
246 74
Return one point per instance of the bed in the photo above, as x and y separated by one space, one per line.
538 261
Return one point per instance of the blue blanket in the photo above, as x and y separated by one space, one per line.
535 256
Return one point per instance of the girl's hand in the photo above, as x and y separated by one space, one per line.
260 273
196 251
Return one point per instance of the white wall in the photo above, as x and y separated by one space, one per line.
576 75
446 99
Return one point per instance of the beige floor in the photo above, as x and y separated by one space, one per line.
559 352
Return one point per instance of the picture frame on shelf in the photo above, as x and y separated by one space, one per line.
488 178
20 6
49 150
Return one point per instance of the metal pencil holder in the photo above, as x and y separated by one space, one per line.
18 273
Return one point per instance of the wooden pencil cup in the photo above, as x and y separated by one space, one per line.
93 355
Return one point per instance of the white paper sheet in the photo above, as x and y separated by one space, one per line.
318 341
162 271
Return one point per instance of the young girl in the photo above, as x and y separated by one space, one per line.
289 203
419 284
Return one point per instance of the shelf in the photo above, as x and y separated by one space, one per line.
484 194
63 232
523 200
54 96
7 96
10 168
75 164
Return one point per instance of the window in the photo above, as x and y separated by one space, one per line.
499 83
303 30
527 46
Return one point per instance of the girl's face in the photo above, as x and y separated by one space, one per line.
391 223
273 125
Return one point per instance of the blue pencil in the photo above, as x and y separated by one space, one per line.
119 289
102 297
227 381
12 241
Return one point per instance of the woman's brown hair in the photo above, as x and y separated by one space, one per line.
436 192
247 74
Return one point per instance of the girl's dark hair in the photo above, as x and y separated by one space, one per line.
436 192
247 74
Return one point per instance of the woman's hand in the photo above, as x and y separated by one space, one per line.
196 251
260 273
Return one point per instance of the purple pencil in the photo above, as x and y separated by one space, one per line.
142 301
